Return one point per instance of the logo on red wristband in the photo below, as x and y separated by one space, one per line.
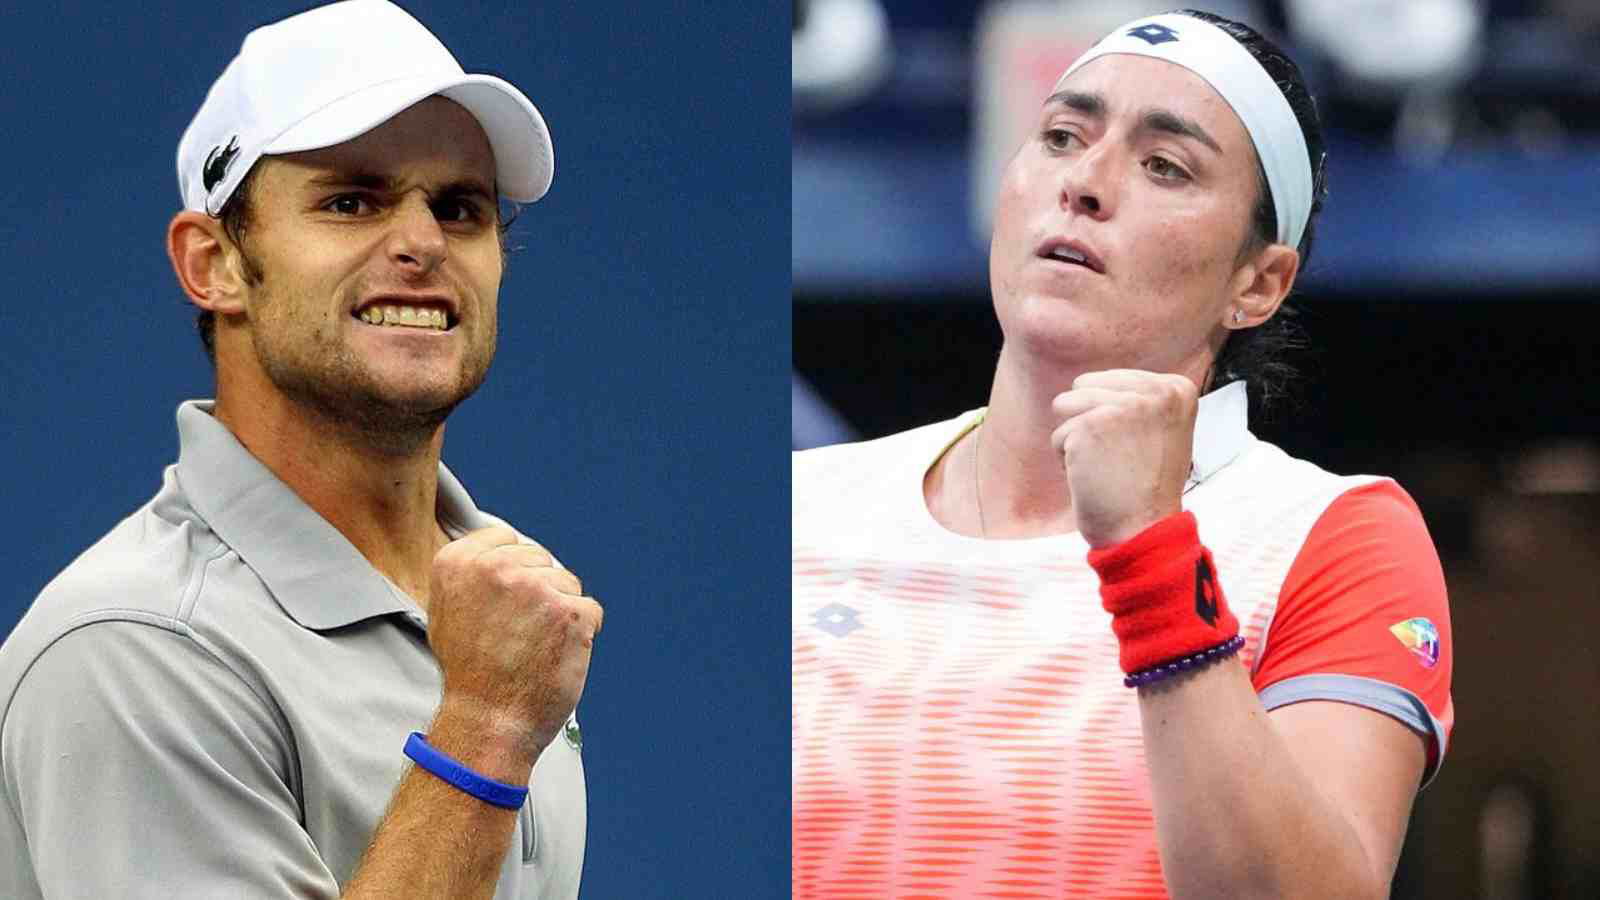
1205 591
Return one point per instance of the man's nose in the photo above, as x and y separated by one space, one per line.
416 242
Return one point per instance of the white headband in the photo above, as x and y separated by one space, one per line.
1228 67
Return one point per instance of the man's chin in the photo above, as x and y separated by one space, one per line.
390 419
425 406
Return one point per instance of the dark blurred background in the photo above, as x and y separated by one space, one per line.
633 421
1450 305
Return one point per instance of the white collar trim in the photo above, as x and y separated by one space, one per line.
1221 430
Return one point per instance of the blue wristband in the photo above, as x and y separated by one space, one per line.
497 793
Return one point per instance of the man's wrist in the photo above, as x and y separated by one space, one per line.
464 778
489 741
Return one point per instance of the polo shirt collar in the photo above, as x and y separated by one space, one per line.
1221 430
312 570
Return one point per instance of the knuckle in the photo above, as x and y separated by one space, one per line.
553 614
505 577
447 556
491 536
549 578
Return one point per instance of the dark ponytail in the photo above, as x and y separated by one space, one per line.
1256 355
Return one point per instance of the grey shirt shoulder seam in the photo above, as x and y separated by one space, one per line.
179 627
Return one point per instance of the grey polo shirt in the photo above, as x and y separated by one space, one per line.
212 700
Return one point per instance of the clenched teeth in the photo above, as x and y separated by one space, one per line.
1068 254
412 316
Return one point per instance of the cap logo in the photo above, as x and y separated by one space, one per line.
217 162
1154 33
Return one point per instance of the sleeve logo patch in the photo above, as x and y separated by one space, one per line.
1420 637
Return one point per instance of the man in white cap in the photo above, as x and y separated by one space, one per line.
220 697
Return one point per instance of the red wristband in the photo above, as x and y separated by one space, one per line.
1161 589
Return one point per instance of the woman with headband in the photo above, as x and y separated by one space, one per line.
1097 640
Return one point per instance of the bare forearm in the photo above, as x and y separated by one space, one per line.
436 840
1235 814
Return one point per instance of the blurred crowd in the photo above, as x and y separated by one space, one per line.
1426 74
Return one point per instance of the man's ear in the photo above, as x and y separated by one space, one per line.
1260 285
206 263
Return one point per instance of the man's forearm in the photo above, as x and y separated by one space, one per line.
439 841
1236 816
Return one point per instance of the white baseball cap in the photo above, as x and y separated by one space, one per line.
334 73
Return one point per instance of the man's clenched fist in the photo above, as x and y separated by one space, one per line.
512 632
1127 441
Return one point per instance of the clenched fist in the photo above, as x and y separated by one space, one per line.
512 632
1127 441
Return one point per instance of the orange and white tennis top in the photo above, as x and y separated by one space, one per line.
960 724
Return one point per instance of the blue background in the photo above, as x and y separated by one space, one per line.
635 420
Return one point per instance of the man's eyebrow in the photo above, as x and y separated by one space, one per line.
372 181
1165 120
463 186
368 180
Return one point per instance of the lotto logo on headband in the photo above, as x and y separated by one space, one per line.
1420 637
1154 33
